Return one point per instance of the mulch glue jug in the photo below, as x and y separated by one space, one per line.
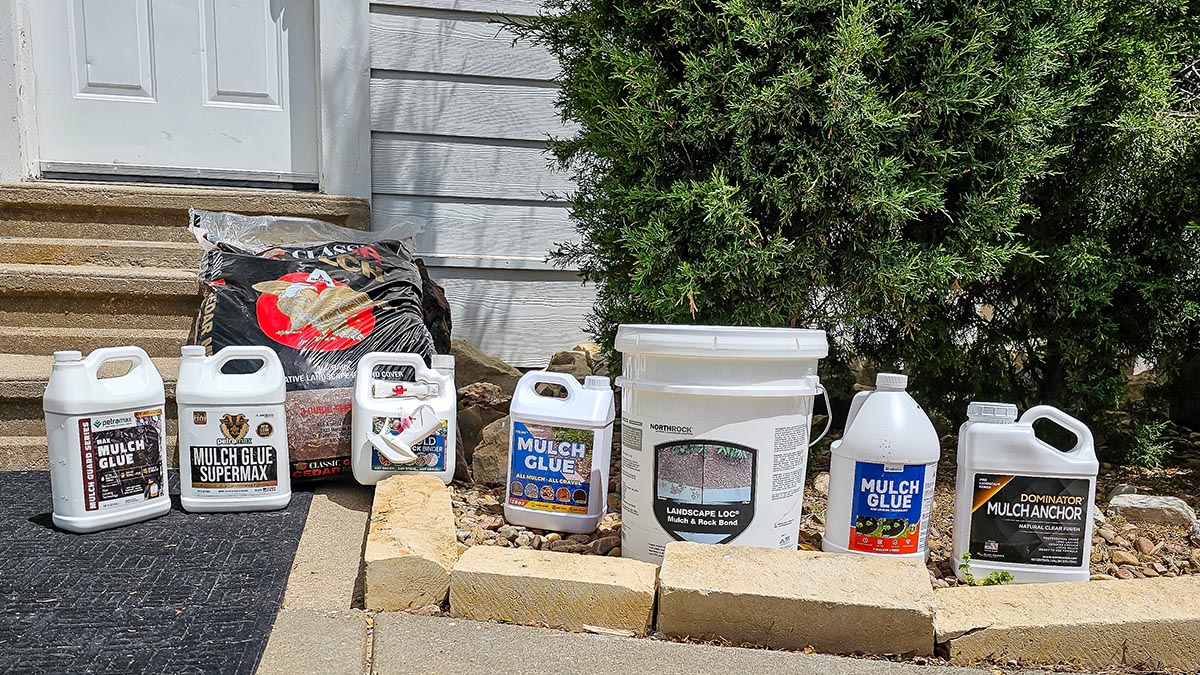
1022 506
108 440
233 444
881 475
558 453
405 417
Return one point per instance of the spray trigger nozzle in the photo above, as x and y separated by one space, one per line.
393 389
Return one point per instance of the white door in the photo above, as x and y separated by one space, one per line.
177 88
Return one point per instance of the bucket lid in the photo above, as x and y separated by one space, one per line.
723 341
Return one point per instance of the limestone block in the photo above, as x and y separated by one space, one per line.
834 603
411 545
561 590
1093 624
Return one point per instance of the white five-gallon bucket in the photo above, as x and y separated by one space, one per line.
714 434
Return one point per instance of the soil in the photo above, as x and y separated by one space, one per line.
679 468
722 472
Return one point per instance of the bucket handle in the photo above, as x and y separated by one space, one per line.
828 415
1083 435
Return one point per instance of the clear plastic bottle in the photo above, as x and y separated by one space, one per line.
881 475
558 453
1023 506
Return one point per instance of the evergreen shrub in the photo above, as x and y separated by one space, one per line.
994 195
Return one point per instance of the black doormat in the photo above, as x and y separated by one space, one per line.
184 593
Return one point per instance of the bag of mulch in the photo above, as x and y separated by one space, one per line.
321 296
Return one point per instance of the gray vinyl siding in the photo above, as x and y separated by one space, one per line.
459 121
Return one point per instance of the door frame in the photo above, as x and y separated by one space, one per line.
343 87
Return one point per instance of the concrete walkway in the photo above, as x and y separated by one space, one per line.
319 629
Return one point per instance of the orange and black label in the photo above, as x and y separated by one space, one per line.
1029 519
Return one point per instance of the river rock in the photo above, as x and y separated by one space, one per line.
472 365
1122 489
1157 509
821 484
489 461
1123 557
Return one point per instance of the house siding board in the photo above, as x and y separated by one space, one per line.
460 117
464 109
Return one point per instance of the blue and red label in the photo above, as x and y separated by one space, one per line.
551 468
888 507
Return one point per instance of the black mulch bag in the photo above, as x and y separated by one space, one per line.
321 296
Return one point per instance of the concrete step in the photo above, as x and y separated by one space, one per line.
102 252
86 297
47 340
127 211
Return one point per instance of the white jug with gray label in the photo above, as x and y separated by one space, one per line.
108 440
233 447
1023 506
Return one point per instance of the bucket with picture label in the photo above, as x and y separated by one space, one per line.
714 434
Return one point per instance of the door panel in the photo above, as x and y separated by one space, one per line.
111 50
177 87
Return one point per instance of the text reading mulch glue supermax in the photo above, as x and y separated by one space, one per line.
891 506
551 468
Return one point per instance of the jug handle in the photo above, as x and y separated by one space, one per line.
565 380
362 379
828 415
1083 435
265 355
103 355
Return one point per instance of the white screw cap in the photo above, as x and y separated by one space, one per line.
67 355
891 382
193 351
442 362
995 413
596 382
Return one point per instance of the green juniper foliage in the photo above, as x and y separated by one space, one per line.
995 195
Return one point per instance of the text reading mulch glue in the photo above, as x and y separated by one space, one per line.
559 451
881 474
108 440
233 442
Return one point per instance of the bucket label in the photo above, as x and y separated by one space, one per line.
122 458
891 505
233 451
550 468
704 490
431 452
1029 519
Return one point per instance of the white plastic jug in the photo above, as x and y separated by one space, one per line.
107 439
404 425
881 475
1023 506
558 453
233 445
714 434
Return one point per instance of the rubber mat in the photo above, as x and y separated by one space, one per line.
184 593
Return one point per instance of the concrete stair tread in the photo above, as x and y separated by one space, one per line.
83 241
45 340
31 453
21 370
51 250
96 280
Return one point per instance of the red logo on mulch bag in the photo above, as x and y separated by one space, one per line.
313 312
